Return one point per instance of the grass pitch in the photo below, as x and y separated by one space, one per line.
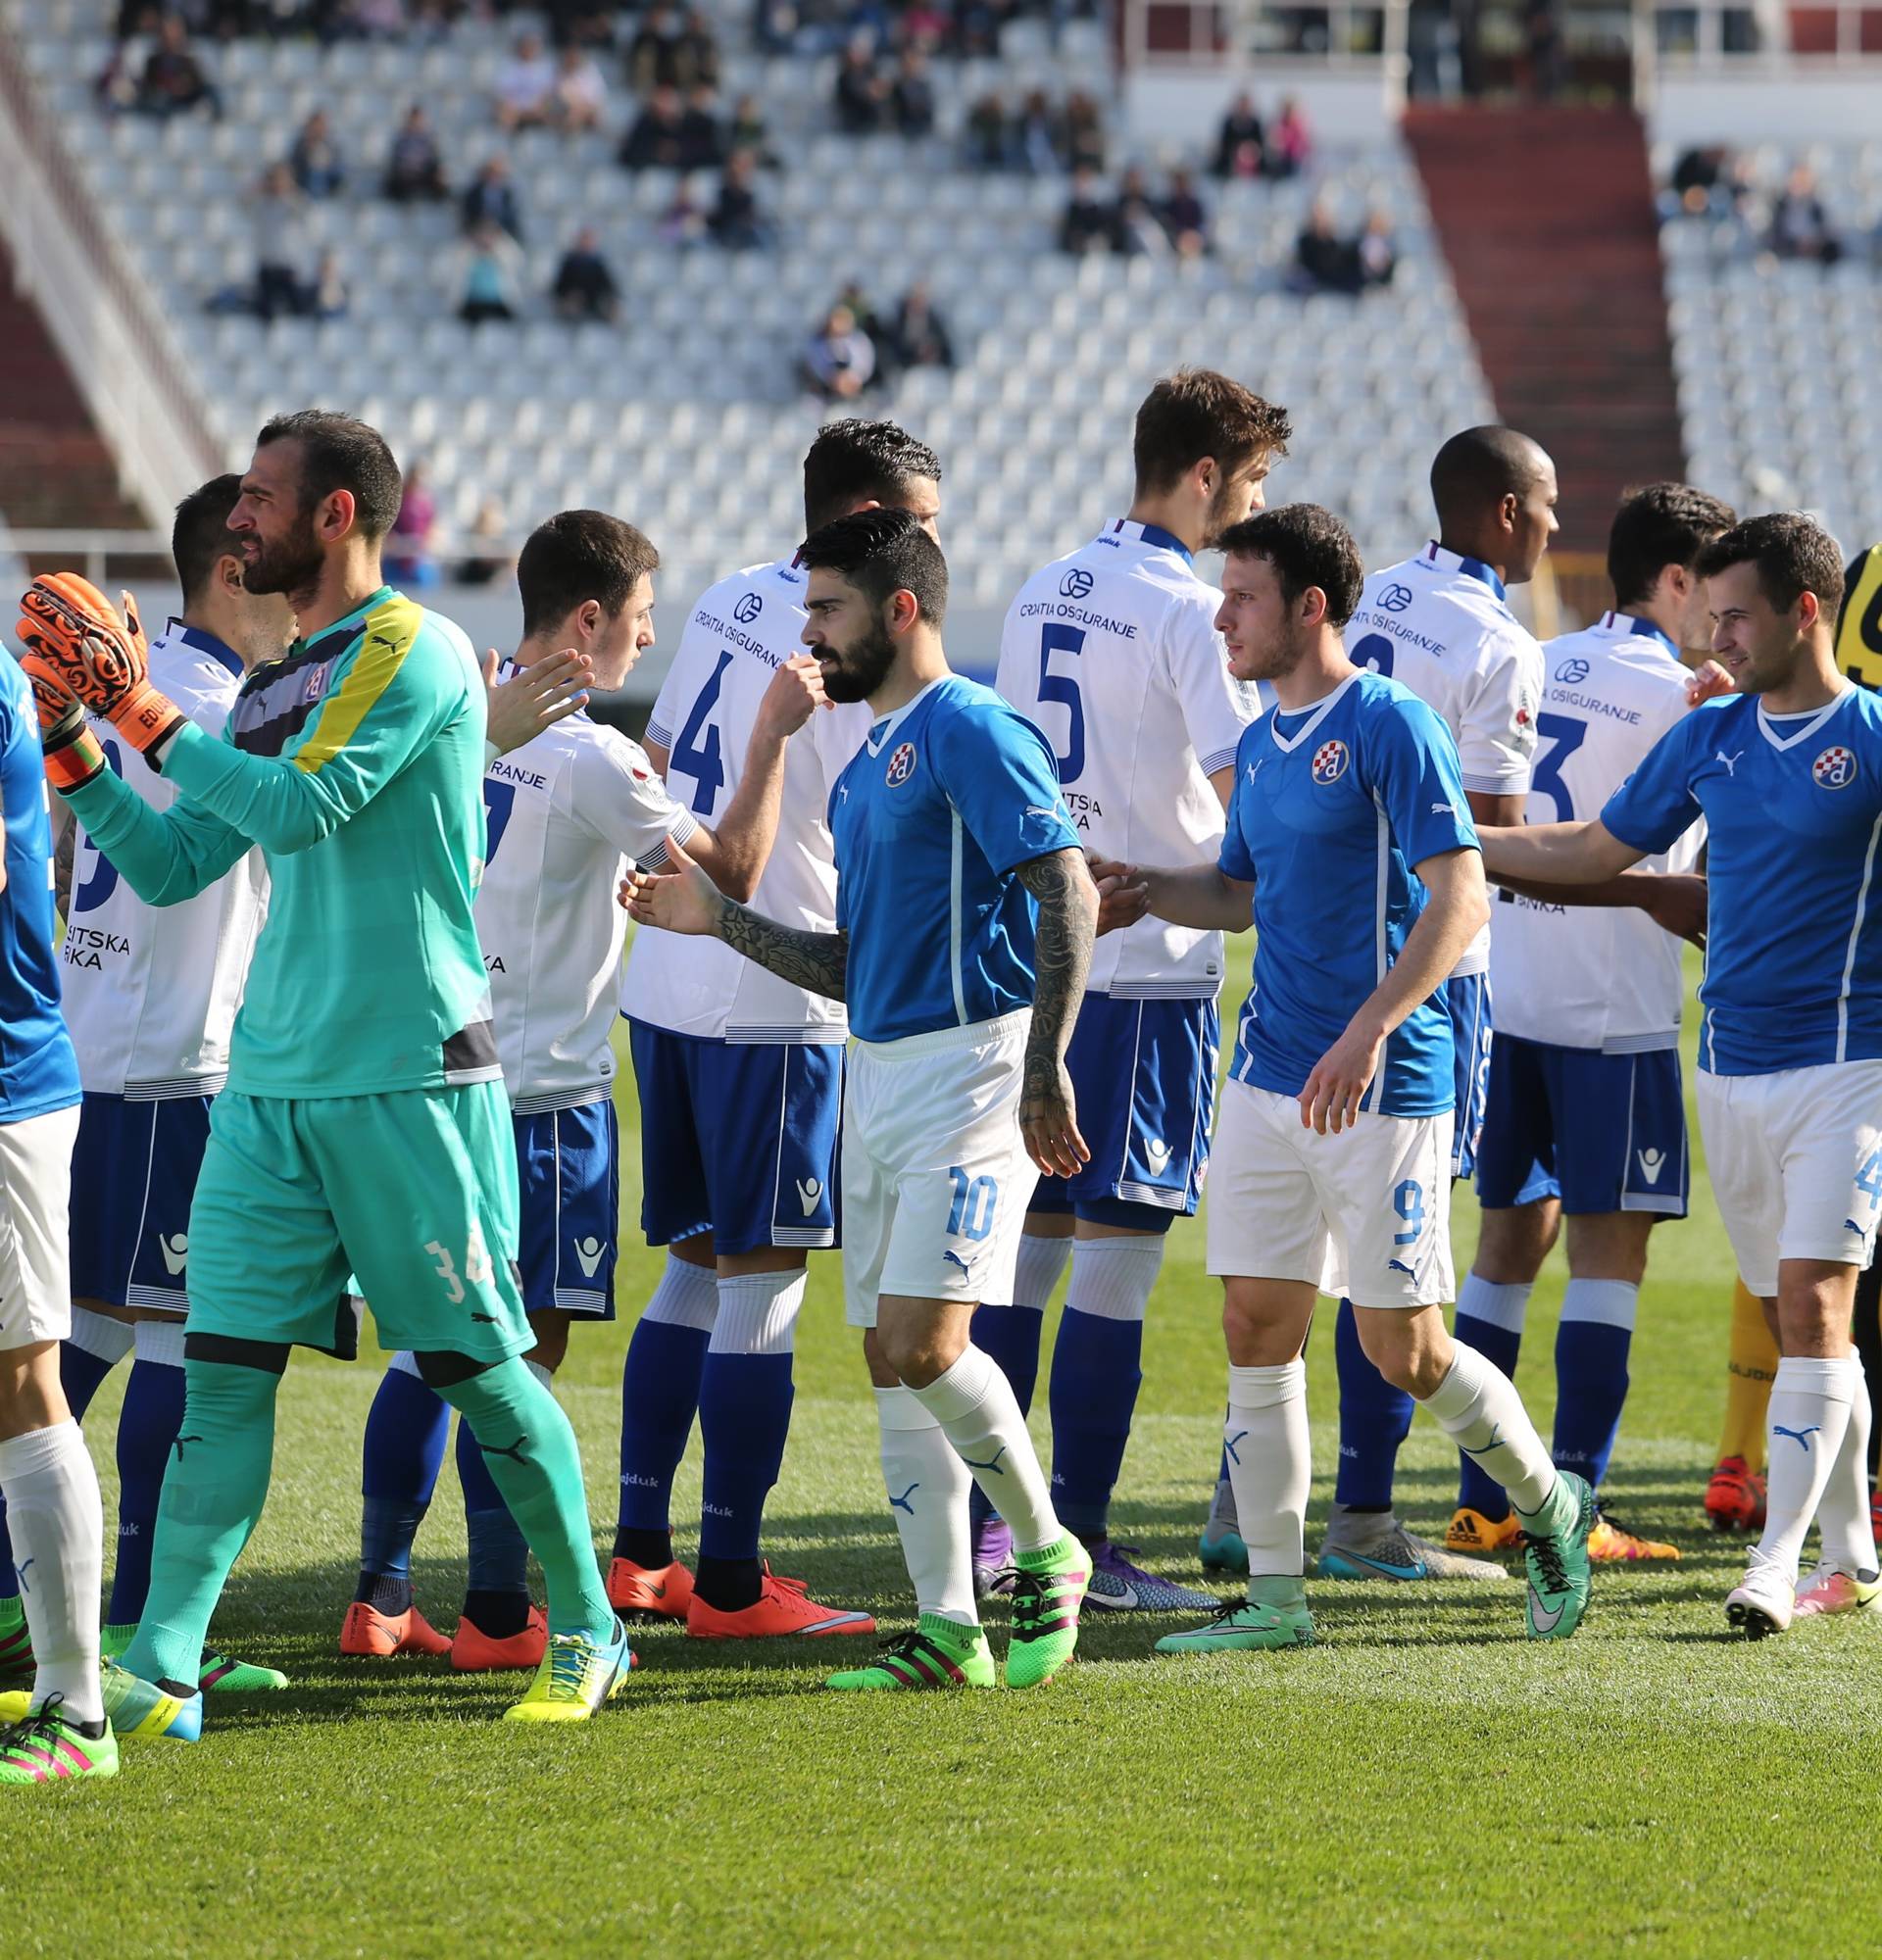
1424 1782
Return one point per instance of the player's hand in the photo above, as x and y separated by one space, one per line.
1124 895
1334 1091
795 694
681 900
72 754
76 639
1676 902
1707 682
1049 1118
535 698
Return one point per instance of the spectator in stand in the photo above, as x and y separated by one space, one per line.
1323 260
735 221
926 24
1289 143
911 99
1184 216
861 94
1240 139
670 50
698 50
586 288
1800 224
579 98
1137 232
525 86
839 359
1083 133
751 134
409 557
988 140
414 167
1378 251
486 559
487 272
329 297
775 26
492 198
1087 225
702 135
315 158
280 244
174 81
683 221
918 336
1034 141
863 310
658 139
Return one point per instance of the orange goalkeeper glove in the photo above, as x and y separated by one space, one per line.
72 753
77 643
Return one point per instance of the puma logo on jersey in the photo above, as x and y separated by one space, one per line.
588 1253
176 1251
809 1192
1157 1151
1651 1163
1444 809
955 1259
1731 762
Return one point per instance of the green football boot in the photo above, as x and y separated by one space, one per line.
221 1675
1048 1589
1556 1558
938 1654
1275 1615
45 1747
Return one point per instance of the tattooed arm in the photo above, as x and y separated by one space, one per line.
1067 917
685 900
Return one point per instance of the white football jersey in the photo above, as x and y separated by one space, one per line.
1113 652
739 634
1594 976
565 813
1439 622
151 990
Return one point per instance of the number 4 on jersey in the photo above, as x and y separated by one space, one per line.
697 757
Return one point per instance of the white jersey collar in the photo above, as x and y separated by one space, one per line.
1152 536
1785 731
887 726
1439 559
1314 717
1631 626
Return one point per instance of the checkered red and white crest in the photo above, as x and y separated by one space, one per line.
1330 762
1835 768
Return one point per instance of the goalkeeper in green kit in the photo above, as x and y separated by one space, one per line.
364 1128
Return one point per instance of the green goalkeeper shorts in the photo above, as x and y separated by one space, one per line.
415 1191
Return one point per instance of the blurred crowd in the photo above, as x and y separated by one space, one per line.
1720 188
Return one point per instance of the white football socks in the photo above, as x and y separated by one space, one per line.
758 1312
1477 1406
58 1526
686 1296
1809 1413
1269 1465
1843 1515
927 1487
974 1405
1037 1271
1112 1279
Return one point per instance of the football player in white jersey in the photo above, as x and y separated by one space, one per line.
1113 652
565 814
1586 1118
740 1076
150 996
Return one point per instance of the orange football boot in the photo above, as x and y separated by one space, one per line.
1735 1497
378 1636
1611 1544
664 1594
473 1652
782 1606
1471 1531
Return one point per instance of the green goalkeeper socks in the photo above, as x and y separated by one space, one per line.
214 1488
529 1450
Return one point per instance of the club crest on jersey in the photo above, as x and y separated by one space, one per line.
1330 762
316 684
747 609
1835 768
901 766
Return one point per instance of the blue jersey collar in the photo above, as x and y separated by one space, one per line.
323 642
1631 623
1154 536
205 643
1435 554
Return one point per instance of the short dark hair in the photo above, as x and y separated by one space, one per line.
880 551
1480 466
200 537
1307 546
342 453
854 460
1792 553
1657 525
1197 412
577 556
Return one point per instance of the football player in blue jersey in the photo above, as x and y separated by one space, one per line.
962 940
1787 774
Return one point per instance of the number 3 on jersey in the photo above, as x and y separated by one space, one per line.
1565 735
1063 688
697 757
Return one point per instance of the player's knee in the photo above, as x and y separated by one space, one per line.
228 1352
881 1375
442 1368
1410 1351
918 1352
552 1340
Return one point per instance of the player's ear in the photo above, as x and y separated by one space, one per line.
588 619
336 515
903 610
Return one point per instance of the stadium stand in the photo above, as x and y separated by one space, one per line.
686 415
1775 354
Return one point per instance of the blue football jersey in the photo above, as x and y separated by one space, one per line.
1793 805
945 798
38 1072
1332 808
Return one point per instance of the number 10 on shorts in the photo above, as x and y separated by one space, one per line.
970 1216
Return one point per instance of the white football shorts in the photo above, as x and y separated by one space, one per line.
936 1180
1365 1213
1796 1159
36 1259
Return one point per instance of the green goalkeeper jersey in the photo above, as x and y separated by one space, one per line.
356 762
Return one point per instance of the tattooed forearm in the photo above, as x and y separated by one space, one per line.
816 961
61 856
1067 919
